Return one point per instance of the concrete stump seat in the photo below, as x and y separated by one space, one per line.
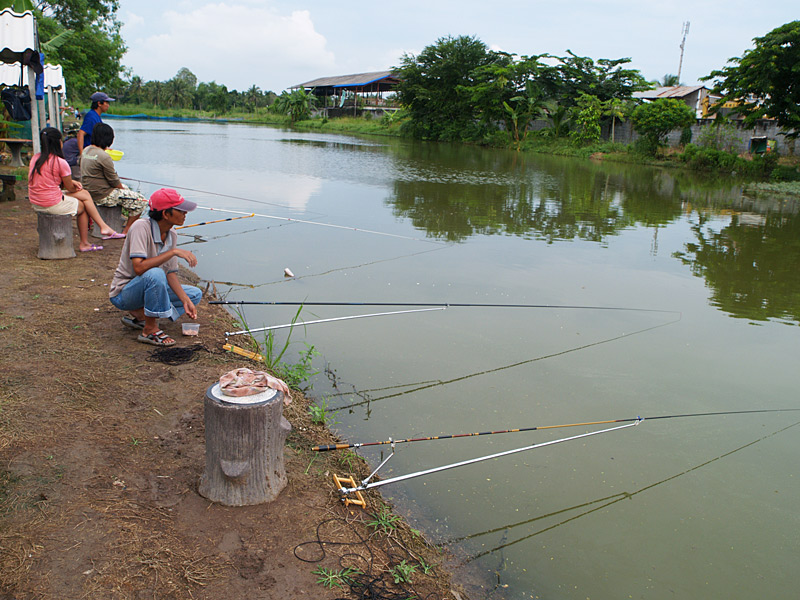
55 236
112 215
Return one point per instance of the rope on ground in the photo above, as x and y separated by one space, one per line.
174 355
369 572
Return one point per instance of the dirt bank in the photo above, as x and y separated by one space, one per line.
101 449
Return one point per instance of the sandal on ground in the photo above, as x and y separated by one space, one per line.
132 322
92 248
159 338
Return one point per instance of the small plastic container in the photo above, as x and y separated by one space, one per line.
115 154
190 328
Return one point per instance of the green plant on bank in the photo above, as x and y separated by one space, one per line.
587 120
297 374
403 572
320 414
384 521
331 579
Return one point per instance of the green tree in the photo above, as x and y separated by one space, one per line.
297 104
587 119
212 96
669 80
604 79
436 88
765 81
92 57
654 120
616 109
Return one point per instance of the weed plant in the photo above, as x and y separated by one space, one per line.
384 521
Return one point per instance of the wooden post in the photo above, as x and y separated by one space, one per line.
244 447
55 236
112 215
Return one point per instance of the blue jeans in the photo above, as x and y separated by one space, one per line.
151 291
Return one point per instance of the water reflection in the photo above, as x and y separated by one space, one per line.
750 264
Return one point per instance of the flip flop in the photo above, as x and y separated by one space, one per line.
114 236
132 322
92 248
159 338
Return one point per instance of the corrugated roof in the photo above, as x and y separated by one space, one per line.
53 75
356 80
675 91
17 34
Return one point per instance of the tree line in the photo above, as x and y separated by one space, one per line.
455 89
184 92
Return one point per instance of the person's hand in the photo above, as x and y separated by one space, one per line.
78 185
187 256
190 309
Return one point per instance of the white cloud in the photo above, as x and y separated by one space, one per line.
233 44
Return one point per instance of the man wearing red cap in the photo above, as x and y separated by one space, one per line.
146 280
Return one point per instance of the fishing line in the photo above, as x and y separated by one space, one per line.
328 272
625 495
510 366
172 185
331 225
444 304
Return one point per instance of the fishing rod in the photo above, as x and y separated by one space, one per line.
366 484
404 237
217 221
438 304
357 445
271 327
331 225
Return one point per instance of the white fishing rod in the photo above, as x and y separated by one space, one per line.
297 324
366 484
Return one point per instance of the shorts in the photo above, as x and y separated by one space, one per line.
67 206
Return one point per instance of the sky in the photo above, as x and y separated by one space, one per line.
275 44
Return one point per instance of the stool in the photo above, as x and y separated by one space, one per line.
112 215
9 181
55 236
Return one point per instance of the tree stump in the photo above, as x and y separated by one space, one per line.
112 215
9 181
55 236
244 447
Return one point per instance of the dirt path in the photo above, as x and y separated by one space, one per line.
101 449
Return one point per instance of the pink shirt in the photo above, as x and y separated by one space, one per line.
44 189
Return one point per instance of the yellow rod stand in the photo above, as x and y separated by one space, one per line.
242 352
350 483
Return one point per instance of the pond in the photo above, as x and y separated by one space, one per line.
657 293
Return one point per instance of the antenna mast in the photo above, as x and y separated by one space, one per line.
685 32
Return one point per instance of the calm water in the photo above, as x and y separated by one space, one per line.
702 507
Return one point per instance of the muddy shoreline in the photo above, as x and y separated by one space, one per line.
102 446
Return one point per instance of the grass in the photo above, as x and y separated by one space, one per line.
384 521
403 572
320 415
335 579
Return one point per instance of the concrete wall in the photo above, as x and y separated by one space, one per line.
624 133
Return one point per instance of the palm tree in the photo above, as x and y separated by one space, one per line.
670 80
297 104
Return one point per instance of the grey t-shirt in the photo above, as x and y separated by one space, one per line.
143 241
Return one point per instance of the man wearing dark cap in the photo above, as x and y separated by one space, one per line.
100 103
146 280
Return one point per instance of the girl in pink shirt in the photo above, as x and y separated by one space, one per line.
52 190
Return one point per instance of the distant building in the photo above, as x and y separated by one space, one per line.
695 97
344 90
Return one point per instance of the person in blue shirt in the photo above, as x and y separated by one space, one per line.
100 104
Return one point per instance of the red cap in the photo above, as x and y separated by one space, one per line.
168 198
